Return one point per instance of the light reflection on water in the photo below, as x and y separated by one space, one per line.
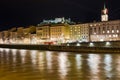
93 62
118 66
108 65
78 61
33 57
23 55
63 65
49 60
47 65
41 59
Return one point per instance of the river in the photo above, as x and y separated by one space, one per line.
50 65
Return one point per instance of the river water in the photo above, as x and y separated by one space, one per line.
49 65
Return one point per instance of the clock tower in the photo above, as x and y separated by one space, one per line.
104 14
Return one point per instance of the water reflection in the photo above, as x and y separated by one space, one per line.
14 51
47 65
23 54
49 60
118 66
108 65
93 62
41 62
63 65
34 57
78 61
6 54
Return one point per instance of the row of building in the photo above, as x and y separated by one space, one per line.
61 31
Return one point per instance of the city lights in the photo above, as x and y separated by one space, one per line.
91 44
61 30
60 40
78 44
108 44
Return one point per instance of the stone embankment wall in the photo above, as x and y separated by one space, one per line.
98 44
114 47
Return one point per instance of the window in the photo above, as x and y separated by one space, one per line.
117 31
91 25
103 28
99 30
109 35
94 29
112 31
108 28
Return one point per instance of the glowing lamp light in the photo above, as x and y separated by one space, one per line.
78 44
108 44
91 44
68 44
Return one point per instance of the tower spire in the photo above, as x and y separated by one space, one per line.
104 15
104 6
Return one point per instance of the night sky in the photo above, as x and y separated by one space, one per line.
14 13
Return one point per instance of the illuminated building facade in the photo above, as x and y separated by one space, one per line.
79 32
1 41
32 33
26 35
105 31
5 37
1 37
13 35
20 35
60 33
43 33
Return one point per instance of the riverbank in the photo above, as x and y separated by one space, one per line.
64 48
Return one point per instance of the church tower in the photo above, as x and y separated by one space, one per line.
104 14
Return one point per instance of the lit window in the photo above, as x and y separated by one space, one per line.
91 25
108 31
117 31
114 35
109 35
112 31
94 24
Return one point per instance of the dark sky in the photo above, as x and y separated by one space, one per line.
31 12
